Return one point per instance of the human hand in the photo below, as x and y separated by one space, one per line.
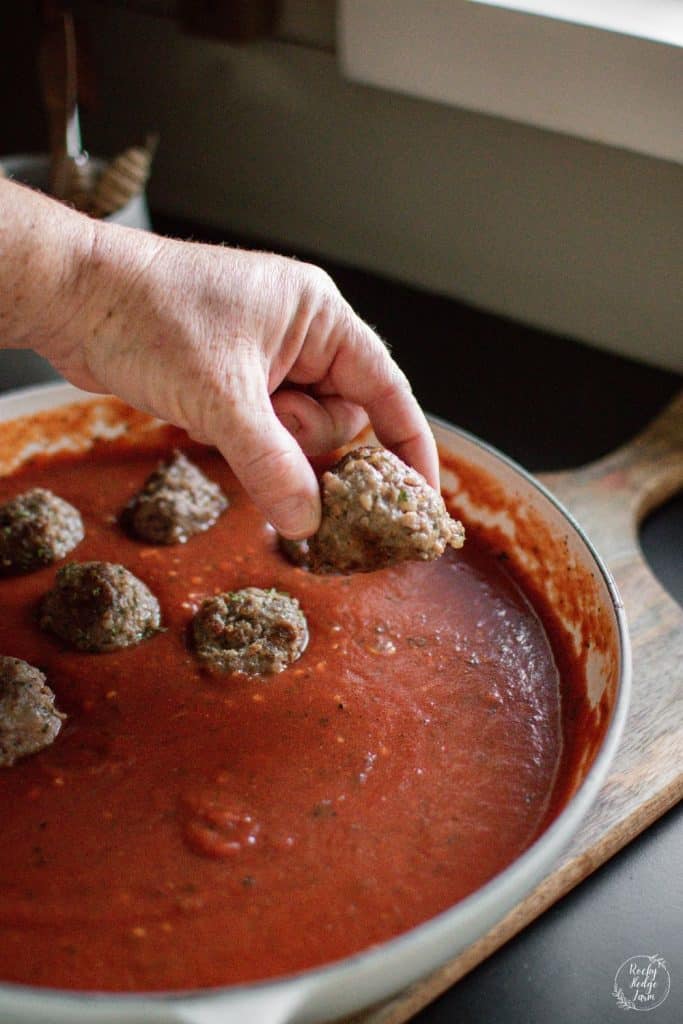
255 353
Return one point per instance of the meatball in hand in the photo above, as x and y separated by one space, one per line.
377 512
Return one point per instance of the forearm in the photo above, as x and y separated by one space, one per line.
45 250
205 337
61 275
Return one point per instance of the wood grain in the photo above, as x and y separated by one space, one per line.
609 499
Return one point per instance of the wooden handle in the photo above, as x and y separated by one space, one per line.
608 498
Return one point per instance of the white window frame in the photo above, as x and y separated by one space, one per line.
608 70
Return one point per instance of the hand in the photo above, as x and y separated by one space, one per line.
203 336
254 353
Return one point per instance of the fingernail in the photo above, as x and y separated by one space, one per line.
295 517
290 423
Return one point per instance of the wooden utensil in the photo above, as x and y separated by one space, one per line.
70 173
126 176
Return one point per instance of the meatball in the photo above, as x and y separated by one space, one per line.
176 502
376 512
99 606
29 719
254 631
36 529
296 551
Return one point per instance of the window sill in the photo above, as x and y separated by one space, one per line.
613 76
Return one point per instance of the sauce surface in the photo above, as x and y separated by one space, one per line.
187 830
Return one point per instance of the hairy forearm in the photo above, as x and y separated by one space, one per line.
45 251
62 275
203 336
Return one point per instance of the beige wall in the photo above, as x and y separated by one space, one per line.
268 140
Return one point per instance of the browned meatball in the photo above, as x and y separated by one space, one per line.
99 606
176 502
376 512
29 719
253 631
296 551
36 529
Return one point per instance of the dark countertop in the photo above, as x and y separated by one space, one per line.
550 403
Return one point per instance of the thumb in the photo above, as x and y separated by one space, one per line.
268 462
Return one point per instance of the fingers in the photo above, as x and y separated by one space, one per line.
401 425
268 462
364 372
318 424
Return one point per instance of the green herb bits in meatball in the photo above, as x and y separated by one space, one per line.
36 529
99 607
256 632
29 719
377 512
176 502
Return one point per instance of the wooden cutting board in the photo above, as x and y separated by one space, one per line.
609 498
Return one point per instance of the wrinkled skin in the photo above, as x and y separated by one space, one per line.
262 356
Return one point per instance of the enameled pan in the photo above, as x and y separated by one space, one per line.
489 489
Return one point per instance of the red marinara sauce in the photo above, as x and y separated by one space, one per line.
187 830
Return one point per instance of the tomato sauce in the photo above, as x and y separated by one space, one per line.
187 830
